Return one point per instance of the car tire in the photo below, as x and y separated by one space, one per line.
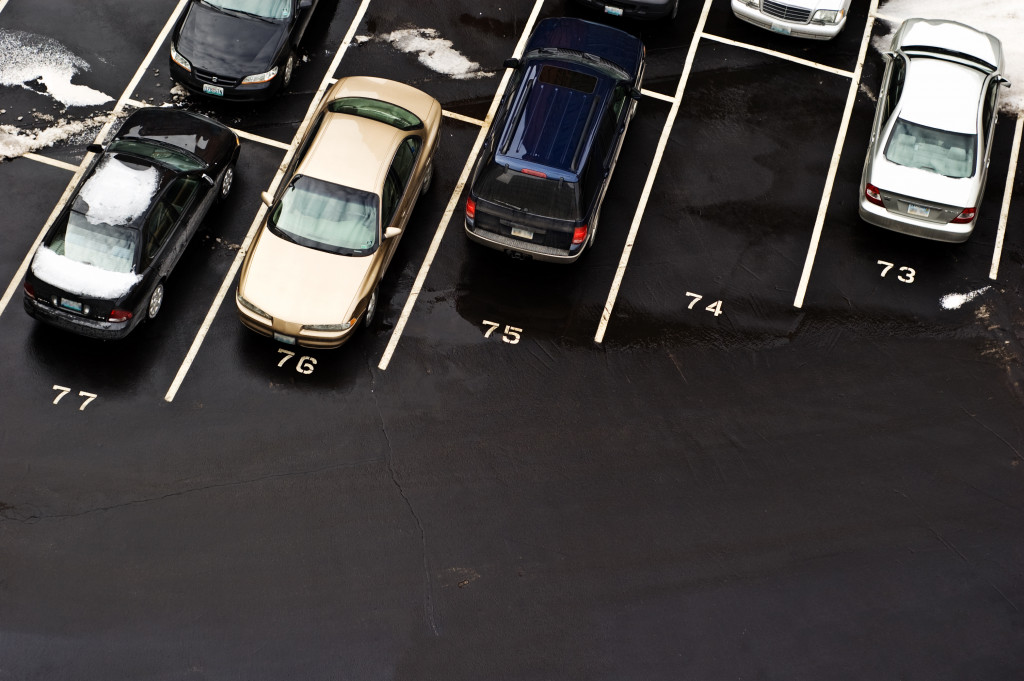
289 69
227 180
428 177
371 309
156 301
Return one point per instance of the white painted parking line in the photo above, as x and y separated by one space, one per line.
241 133
780 55
50 162
657 95
1004 213
645 196
3 3
464 119
826 196
453 202
118 107
225 286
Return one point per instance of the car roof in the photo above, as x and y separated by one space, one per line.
351 151
942 94
121 188
552 125
950 36
588 37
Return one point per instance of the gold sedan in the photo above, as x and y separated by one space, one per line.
312 273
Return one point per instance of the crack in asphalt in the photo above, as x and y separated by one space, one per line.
5 509
428 598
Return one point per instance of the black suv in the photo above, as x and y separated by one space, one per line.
544 168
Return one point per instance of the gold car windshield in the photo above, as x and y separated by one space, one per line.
327 217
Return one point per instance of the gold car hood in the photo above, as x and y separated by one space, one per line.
302 285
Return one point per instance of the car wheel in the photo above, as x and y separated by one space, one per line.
289 67
428 177
371 309
226 182
156 301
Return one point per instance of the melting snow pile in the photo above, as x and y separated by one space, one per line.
434 52
28 58
80 279
15 141
954 301
1002 18
118 193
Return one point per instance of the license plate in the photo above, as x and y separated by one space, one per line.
73 305
522 233
281 338
614 11
784 30
919 211
213 90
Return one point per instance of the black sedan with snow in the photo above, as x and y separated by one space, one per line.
238 49
102 266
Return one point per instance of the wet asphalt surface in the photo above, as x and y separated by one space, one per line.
833 491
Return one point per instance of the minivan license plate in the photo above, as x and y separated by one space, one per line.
919 211
213 90
522 233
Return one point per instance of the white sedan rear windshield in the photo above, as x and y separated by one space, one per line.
946 153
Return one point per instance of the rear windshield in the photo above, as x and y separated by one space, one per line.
543 197
374 109
108 247
946 153
327 217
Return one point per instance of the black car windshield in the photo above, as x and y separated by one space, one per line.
266 9
327 217
940 151
163 154
543 197
107 247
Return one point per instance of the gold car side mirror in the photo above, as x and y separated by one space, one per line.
391 232
267 198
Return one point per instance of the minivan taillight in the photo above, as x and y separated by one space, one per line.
120 315
872 194
579 236
470 208
966 215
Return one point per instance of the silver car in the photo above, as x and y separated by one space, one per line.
928 157
815 19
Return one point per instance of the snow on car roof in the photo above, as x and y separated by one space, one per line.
80 279
942 94
118 193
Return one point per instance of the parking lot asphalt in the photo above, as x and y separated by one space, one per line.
746 436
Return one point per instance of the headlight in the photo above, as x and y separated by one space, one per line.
180 60
344 326
827 16
260 77
249 306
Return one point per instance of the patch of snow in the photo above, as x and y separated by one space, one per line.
1002 18
118 193
435 53
80 279
954 301
15 141
29 58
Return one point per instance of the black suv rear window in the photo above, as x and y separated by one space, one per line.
574 80
543 197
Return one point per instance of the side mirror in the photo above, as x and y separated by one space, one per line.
95 148
1002 81
208 180
511 63
267 198
391 233
888 55
305 4
635 93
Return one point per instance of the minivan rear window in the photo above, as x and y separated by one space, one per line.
540 196
574 80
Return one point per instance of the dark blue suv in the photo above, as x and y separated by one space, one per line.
545 166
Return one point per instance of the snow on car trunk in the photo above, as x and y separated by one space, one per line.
80 279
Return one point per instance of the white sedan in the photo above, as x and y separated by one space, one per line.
815 19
